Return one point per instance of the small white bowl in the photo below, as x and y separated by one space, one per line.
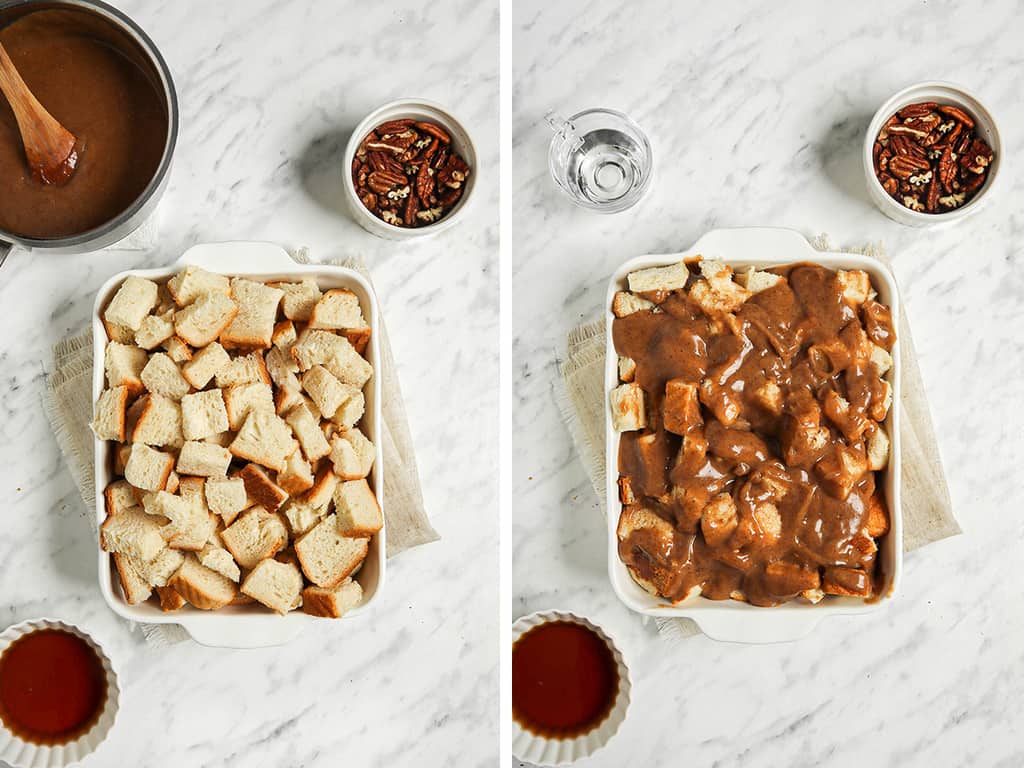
985 127
531 748
24 754
420 110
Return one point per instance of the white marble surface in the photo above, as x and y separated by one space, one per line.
757 114
269 92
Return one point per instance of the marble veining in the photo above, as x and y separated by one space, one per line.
757 114
269 92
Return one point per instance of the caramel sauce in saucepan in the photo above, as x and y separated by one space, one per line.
52 687
564 680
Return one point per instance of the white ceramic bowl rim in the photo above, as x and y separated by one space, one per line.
944 92
23 754
539 750
461 140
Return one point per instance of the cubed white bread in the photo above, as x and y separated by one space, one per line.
338 309
173 481
855 285
878 449
881 358
134 585
275 584
110 420
118 496
162 567
284 336
220 560
302 516
123 364
179 352
320 495
204 588
205 319
205 365
297 476
203 414
351 410
134 533
352 454
282 369
314 411
324 389
148 468
169 599
133 301
756 281
190 523
299 299
357 509
326 556
223 439
659 279
359 338
253 326
316 347
164 300
348 366
306 428
154 330
165 504
627 368
163 377
628 410
122 334
203 459
716 298
193 282
244 369
226 496
265 439
626 303
287 398
256 535
158 421
261 489
243 399
121 454
332 603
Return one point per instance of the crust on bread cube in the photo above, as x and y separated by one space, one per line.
256 535
261 489
205 365
299 299
627 369
193 282
625 303
338 310
203 459
324 483
356 509
169 599
243 399
264 439
203 321
154 330
204 588
253 326
275 584
163 377
306 429
287 398
203 415
628 410
659 280
123 364
156 420
132 533
179 352
118 496
284 336
326 556
244 369
134 585
135 299
122 334
110 419
332 603
878 445
297 476
352 455
226 496
147 468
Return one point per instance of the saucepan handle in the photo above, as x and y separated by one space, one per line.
5 248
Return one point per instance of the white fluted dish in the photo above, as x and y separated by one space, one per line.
539 750
24 754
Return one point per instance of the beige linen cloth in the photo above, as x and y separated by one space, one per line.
927 510
68 404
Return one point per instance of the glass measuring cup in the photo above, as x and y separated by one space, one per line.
601 158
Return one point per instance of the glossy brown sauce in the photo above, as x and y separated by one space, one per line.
52 687
801 511
564 680
105 100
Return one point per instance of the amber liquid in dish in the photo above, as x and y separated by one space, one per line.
564 680
52 687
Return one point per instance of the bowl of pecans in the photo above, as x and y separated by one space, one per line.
931 154
410 170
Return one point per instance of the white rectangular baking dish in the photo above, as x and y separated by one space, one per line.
246 626
728 619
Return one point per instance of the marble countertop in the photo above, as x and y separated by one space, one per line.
269 93
757 114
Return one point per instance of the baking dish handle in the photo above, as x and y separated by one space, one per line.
236 632
783 626
238 257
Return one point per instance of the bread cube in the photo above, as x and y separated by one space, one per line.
205 365
306 429
158 421
659 279
718 520
134 585
204 588
789 579
352 455
147 468
316 347
226 496
351 410
882 360
356 509
253 326
681 406
261 489
179 352
627 369
203 459
284 336
846 582
282 369
205 319
326 556
122 334
332 603
302 516
203 414
243 399
625 303
123 364
756 281
161 568
245 369
325 390
265 439
118 496
220 560
254 536
133 301
132 533
154 330
163 377
348 366
855 286
628 409
297 476
111 407
338 309
275 584
193 282
299 299
878 445
769 522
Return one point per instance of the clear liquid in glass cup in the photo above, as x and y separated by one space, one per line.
601 158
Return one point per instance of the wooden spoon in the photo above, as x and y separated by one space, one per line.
49 147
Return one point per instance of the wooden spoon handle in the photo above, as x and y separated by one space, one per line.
14 88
